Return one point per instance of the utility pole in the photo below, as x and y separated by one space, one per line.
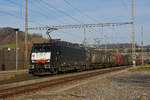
133 36
97 43
105 39
16 48
102 34
26 35
84 41
142 49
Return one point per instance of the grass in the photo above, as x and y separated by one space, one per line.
140 98
140 68
8 46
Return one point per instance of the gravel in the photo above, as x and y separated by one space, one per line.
121 86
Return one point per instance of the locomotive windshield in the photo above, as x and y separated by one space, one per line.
41 48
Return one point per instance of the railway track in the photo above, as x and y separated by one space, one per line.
15 91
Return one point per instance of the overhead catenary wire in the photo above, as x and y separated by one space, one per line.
14 14
12 2
124 4
18 17
71 34
77 9
61 11
16 4
47 7
33 11
47 11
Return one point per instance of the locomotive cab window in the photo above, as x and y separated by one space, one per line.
41 48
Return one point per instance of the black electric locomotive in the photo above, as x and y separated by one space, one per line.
46 58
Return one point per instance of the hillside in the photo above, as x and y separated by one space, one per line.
148 46
8 38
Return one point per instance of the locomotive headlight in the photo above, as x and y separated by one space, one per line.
47 60
33 61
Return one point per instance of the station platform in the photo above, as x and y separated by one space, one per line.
9 74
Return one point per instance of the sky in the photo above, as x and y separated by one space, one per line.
75 12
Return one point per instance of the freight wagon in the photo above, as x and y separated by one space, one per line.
108 59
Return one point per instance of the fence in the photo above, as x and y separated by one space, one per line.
8 60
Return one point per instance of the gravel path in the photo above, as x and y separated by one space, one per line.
119 86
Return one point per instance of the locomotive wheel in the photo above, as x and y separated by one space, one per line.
55 71
79 70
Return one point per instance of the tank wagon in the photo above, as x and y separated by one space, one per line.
61 56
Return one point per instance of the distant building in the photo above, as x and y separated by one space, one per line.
148 46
